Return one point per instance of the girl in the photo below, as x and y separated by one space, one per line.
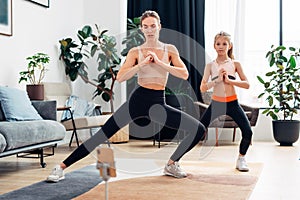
151 62
222 73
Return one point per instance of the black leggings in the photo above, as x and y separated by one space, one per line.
235 111
150 105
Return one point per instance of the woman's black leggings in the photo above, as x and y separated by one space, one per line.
150 105
235 111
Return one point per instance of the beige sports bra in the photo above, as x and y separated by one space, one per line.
153 70
228 66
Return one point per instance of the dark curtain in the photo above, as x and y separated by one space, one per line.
183 25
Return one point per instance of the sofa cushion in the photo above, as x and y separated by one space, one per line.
79 107
2 143
16 105
25 133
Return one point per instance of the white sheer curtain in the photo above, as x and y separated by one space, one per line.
228 16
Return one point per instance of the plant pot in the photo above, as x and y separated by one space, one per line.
286 132
35 92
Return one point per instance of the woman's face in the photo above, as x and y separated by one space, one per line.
222 45
151 28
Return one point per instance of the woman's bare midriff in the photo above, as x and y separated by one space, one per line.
153 83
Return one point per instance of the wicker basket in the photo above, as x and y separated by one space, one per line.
121 136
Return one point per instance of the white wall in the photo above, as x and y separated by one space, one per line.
39 29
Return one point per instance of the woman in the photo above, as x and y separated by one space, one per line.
151 62
222 72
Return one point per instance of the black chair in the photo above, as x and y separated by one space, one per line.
181 102
226 121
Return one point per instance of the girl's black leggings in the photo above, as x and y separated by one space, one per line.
146 104
235 111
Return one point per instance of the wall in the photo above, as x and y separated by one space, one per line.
39 29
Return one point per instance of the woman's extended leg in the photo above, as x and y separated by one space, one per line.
118 120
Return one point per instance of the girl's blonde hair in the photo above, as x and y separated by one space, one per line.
228 38
150 13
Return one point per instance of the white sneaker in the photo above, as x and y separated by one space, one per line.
241 164
174 170
56 175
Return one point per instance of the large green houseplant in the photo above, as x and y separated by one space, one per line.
281 91
134 36
100 44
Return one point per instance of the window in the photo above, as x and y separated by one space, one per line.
261 31
290 27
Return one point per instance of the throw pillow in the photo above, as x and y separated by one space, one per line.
16 105
79 108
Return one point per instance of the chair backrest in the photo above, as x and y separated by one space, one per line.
206 97
58 91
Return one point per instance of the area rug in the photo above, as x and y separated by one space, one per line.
75 183
205 181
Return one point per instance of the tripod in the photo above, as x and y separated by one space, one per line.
106 166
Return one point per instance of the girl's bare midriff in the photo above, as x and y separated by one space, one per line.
224 90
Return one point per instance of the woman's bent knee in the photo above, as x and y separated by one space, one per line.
200 132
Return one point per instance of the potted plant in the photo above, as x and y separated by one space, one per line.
281 91
134 36
35 73
102 45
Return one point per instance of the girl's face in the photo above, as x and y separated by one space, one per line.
222 45
151 28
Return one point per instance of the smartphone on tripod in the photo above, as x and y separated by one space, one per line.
106 161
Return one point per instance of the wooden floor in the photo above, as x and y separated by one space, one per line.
280 178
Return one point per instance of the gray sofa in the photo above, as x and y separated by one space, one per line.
28 138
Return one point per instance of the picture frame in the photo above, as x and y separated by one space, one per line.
6 17
44 3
